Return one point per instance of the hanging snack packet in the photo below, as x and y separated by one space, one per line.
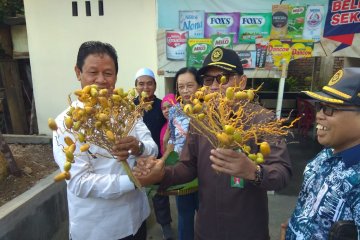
301 48
296 21
222 40
313 20
279 21
261 45
222 23
196 51
193 22
254 25
279 52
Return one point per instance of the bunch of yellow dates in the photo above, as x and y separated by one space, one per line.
226 117
98 117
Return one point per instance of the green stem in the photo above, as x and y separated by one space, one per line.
130 174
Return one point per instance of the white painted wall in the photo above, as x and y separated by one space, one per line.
54 37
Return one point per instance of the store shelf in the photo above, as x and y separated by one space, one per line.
325 47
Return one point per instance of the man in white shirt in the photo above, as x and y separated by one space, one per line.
103 203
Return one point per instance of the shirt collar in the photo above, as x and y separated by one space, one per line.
349 156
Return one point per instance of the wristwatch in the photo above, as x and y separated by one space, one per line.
141 148
258 175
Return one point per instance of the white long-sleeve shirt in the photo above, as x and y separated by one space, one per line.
102 201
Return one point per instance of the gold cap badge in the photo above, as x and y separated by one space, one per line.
337 76
217 55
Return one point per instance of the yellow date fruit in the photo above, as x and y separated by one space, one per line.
84 147
230 93
132 92
72 148
199 95
237 137
68 140
224 138
247 148
68 122
86 89
103 92
110 135
144 95
67 166
265 148
188 109
250 94
228 129
62 176
69 155
201 116
252 156
241 95
259 159
52 124
103 117
223 80
81 137
94 92
77 125
208 97
197 108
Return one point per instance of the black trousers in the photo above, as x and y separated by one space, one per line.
140 235
162 209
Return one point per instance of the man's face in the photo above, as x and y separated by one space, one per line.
339 131
98 69
146 84
234 79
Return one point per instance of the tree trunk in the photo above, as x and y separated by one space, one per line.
4 148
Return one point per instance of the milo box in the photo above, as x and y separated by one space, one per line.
254 25
296 20
220 40
196 51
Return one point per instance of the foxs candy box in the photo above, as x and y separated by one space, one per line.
254 25
222 23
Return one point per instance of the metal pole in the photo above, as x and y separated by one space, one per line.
281 91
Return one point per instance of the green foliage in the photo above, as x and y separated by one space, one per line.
10 8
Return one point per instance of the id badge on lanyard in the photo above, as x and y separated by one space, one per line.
237 182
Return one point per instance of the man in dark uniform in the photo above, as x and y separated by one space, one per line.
154 120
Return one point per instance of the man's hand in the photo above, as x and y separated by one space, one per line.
149 170
234 163
125 147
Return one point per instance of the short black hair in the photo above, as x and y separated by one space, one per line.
183 70
96 47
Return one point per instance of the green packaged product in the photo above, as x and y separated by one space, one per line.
222 40
254 25
196 51
296 19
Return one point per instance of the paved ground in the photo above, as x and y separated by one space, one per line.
281 204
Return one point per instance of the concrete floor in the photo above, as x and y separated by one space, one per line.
281 204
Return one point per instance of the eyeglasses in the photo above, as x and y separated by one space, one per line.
329 110
209 80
